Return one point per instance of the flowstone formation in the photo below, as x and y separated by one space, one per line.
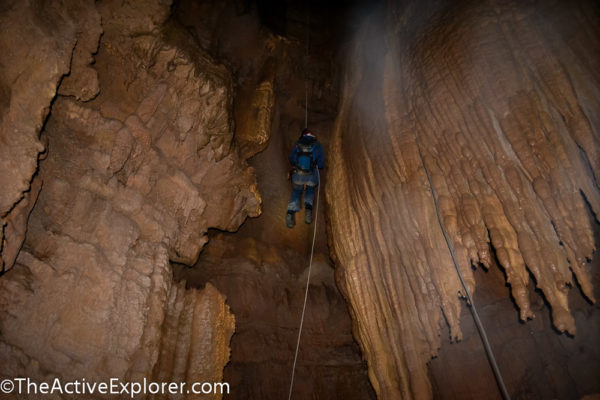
502 99
140 164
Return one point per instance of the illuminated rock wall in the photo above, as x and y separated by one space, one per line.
140 164
503 101
36 55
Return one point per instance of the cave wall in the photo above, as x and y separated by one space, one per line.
140 164
262 268
265 286
502 99
536 362
271 70
31 70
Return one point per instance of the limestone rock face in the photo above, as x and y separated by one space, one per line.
254 113
15 224
197 357
134 178
264 284
502 101
36 54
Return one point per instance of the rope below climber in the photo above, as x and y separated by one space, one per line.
307 152
312 252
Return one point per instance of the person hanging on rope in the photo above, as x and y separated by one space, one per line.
307 157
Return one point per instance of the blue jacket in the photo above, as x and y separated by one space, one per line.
318 158
318 154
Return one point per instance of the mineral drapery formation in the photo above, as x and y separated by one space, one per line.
140 164
503 101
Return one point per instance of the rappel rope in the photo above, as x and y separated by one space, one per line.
312 248
306 66
478 323
484 338
312 251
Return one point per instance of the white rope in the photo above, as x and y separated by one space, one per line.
316 213
482 334
312 250
306 61
306 103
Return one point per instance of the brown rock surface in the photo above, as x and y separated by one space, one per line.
254 113
36 55
200 356
504 103
262 267
133 179
536 362
136 117
264 285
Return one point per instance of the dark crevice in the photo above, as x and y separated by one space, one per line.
588 166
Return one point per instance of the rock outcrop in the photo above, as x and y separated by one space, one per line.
264 284
140 164
502 101
37 53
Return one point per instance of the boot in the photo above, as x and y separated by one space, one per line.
289 219
308 214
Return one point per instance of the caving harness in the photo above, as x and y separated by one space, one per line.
305 160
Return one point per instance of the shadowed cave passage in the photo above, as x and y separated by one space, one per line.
492 296
262 267
143 152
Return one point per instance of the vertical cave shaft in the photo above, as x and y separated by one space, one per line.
125 146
